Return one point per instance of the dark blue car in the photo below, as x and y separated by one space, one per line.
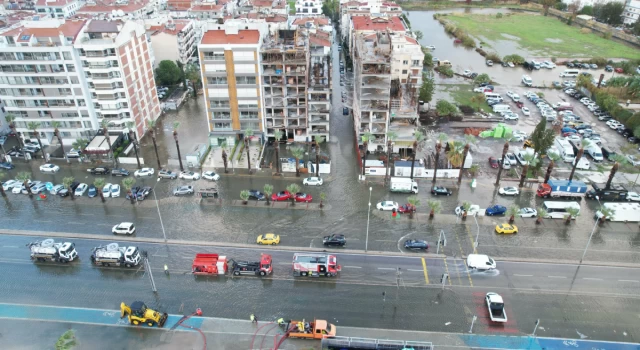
496 210
7 165
257 195
416 244
92 191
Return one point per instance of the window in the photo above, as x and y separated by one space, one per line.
217 80
405 62
221 126
219 104
247 125
216 56
404 71
246 80
248 115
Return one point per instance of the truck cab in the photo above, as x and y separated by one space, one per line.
495 304
263 267
614 193
318 329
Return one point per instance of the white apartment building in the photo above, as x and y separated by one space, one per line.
175 41
309 7
58 8
631 12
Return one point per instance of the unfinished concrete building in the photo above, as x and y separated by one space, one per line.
320 84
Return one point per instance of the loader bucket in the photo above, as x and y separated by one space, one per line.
163 320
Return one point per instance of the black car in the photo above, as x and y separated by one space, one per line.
334 239
92 191
578 96
120 172
134 192
483 84
492 101
474 75
416 244
608 68
143 193
99 171
63 192
633 139
571 65
7 165
74 185
257 195
439 190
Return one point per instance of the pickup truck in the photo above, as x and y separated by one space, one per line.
318 329
496 307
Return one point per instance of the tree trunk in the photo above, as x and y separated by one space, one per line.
511 219
41 148
106 135
364 155
131 197
57 132
246 142
612 174
549 169
464 215
101 194
278 170
523 176
505 149
72 194
297 167
568 220
268 198
135 147
224 160
28 189
386 174
2 191
155 147
175 137
435 167
464 158
578 157
431 214
413 159
321 204
317 160
539 220
293 200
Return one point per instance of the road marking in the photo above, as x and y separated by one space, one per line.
10 246
636 281
415 270
592 279
556 276
353 267
386 268
424 268
42 220
515 274
385 240
446 268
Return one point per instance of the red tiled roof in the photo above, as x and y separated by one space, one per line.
179 26
178 7
318 21
377 23
219 37
54 3
411 40
108 5
68 29
207 7
224 2
276 19
262 3
314 40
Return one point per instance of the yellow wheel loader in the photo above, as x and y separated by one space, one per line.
138 313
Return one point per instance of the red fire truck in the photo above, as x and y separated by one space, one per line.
209 264
315 265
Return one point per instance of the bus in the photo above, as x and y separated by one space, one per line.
558 210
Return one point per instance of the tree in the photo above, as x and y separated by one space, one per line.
530 161
571 213
105 132
319 140
542 138
512 212
469 139
505 149
466 206
127 184
244 195
610 13
587 10
553 158
391 136
152 125
278 136
583 143
168 73
366 137
11 119
34 127
428 61
223 146
67 182
515 59
618 159
636 28
546 4
268 191
418 136
56 130
293 189
183 77
442 137
482 78
80 144
426 89
2 176
323 197
99 183
25 177
132 138
247 143
541 212
193 74
636 130
297 153
418 34
445 108
67 341
606 212
414 202
176 125
455 154
435 206
561 6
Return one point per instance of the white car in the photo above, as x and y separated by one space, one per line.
57 188
633 196
210 175
115 190
124 228
525 111
17 189
633 160
80 190
49 168
387 205
313 181
506 165
481 89
73 153
144 172
511 116
473 210
548 64
189 175
41 187
586 100
106 190
430 47
612 122
511 158
527 213
513 96
10 184
574 138
466 73
508 191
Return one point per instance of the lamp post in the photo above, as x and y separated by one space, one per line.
475 244
366 242
158 207
591 235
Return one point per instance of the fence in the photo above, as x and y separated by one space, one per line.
130 160
372 344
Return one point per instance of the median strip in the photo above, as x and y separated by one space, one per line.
424 269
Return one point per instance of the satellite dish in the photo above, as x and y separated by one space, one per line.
47 243
112 247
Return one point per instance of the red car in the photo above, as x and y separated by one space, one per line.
303 197
407 208
619 70
519 104
281 196
494 163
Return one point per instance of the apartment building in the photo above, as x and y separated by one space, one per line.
230 66
370 25
309 7
118 67
129 9
175 41
320 86
365 9
58 8
631 12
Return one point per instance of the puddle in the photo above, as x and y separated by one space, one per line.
509 36
554 40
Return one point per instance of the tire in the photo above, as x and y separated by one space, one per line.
260 243
151 323
236 273
326 274
105 264
304 274
135 322
127 265
262 273
274 243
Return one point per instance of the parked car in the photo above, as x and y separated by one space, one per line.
506 228
633 160
512 158
387 205
334 240
115 191
303 197
527 213
80 190
49 168
439 190
182 190
189 175
106 190
143 193
7 165
281 196
416 244
133 193
144 172
496 210
313 181
93 191
268 238
211 175
407 208
525 111
98 170
489 63
55 189
508 191
120 172
633 196
167 174
608 68
124 228
73 153
619 70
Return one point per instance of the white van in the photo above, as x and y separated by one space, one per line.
595 152
501 108
569 73
480 262
561 105
488 95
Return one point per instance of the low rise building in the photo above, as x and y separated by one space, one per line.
175 41
58 8
631 12
309 7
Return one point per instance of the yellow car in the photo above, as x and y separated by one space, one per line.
269 238
506 228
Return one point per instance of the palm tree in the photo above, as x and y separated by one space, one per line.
176 125
618 159
442 137
80 144
366 137
244 195
505 149
319 139
297 152
10 118
34 127
223 146
512 212
391 136
268 190
571 213
128 185
455 154
99 183
553 158
2 176
542 212
132 138
465 209
415 202
293 189
418 136
606 213
323 197
278 136
584 143
247 142
56 130
152 125
24 177
105 131
469 139
435 206
530 161
67 182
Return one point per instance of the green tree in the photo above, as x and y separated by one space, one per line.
244 195
606 212
168 73
278 136
25 177
426 89
515 59
247 143
56 130
176 125
541 212
418 136
183 76
435 206
132 139
546 4
583 143
152 125
442 138
610 13
636 28
444 108
418 34
619 160
127 184
571 213
11 120
293 189
469 139
366 137
319 140
512 212
34 126
530 161
67 182
323 197
415 202
223 147
391 136
505 149
466 206
445 70
105 131
297 153
587 10
80 144
553 158
99 183
193 74
561 6
636 132
455 153
482 78
428 61
268 191
67 341
542 137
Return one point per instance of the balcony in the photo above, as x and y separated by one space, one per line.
98 76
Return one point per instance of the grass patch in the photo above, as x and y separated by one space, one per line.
463 95
533 31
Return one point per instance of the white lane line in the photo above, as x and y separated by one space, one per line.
636 281
284 263
187 257
556 276
415 270
515 274
386 268
353 267
385 240
592 279
10 246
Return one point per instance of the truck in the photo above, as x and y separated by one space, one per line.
114 255
623 212
404 185
317 329
209 264
613 193
565 150
49 250
315 265
259 268
495 304
562 189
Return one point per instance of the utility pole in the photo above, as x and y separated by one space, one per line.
444 279
442 239
472 322
535 328
147 269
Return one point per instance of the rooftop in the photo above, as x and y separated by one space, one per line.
318 21
207 7
102 26
219 37
55 3
106 6
377 23
66 28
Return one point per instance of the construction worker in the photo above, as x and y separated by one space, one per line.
280 321
253 318
166 269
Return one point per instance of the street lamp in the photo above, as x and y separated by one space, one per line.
591 235
475 245
366 242
158 207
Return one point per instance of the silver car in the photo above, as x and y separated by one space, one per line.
183 190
